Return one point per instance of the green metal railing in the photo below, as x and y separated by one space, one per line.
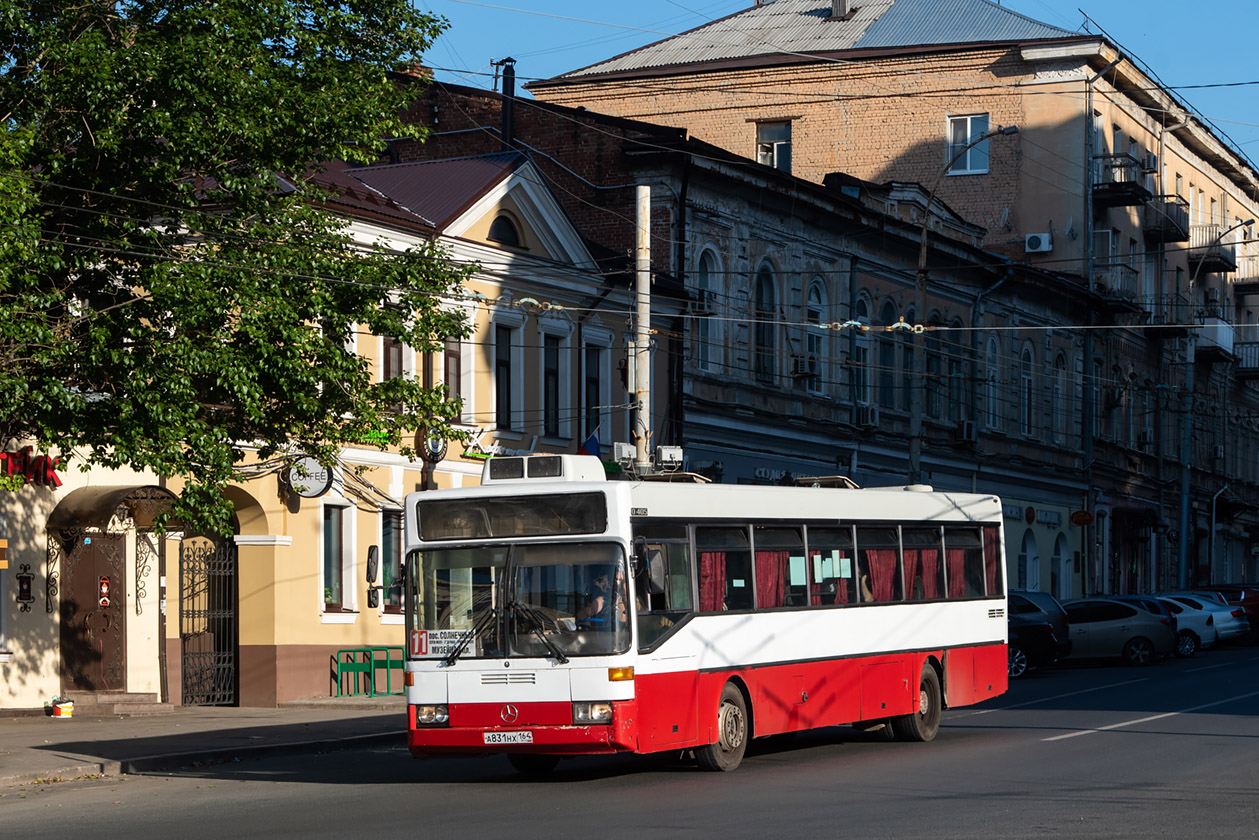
357 671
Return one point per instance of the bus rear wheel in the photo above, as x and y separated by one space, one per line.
732 733
533 766
923 724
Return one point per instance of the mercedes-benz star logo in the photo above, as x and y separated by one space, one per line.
509 713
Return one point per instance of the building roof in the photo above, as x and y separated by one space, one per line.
433 193
805 28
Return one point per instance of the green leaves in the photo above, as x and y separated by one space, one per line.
167 300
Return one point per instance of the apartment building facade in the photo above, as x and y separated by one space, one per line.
1111 184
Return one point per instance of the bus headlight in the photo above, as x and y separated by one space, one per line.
588 713
431 715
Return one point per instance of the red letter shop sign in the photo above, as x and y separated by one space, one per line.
38 469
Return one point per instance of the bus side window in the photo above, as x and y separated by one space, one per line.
964 562
725 569
880 549
831 568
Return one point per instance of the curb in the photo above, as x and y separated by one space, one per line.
172 761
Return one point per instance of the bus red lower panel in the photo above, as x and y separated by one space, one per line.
480 728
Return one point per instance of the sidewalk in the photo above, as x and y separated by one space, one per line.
46 748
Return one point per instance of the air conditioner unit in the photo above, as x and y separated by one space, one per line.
1149 162
867 416
805 364
1038 243
966 432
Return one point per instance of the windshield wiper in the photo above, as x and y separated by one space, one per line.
536 624
466 639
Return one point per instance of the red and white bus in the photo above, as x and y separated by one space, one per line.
552 612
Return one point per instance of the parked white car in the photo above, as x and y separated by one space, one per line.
1195 627
1230 621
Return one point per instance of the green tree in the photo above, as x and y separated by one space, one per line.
174 294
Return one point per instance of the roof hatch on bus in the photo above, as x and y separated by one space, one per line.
542 467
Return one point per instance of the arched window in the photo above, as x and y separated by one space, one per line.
1029 563
992 385
861 355
957 372
765 331
887 358
503 231
909 368
1060 572
1060 408
1027 393
815 337
705 279
934 383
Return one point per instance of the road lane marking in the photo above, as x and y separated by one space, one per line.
1151 717
1055 697
1208 667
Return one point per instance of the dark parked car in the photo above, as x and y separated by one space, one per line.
1032 643
1037 628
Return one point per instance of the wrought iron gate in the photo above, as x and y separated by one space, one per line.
207 621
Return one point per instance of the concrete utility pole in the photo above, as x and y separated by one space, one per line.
642 332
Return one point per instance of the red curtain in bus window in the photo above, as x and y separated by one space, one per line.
956 561
712 580
931 573
990 559
771 578
882 565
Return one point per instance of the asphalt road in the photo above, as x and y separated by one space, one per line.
1171 750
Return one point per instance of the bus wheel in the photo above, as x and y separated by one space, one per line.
732 733
533 766
925 723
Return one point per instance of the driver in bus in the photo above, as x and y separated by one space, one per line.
605 601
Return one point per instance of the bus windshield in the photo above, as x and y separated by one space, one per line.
537 599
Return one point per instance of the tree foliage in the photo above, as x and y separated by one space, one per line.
172 295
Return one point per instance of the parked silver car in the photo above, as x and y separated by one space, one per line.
1195 627
1103 628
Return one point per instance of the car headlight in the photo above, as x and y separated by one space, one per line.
588 713
431 715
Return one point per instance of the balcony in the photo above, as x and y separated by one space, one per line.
1117 283
1247 353
1166 219
1170 317
1210 249
1215 339
1246 278
1119 181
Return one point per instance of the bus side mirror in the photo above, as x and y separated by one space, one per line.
373 563
655 571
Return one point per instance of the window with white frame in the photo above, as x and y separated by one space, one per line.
958 410
596 381
773 144
556 383
887 358
508 356
962 131
336 558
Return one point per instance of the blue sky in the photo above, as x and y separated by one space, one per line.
1182 41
